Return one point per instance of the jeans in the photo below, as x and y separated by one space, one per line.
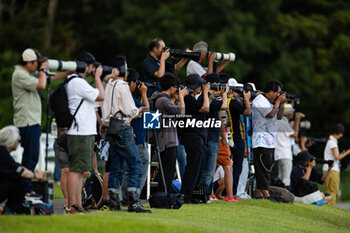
208 167
238 156
181 158
194 146
124 153
30 141
142 149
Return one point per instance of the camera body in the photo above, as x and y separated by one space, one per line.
291 97
322 161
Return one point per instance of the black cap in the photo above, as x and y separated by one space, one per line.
212 78
88 58
224 77
304 156
194 80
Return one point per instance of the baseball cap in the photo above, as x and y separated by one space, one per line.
194 80
304 156
233 82
212 78
88 58
288 109
32 55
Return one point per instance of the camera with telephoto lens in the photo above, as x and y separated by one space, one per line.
183 54
317 140
291 97
322 161
236 89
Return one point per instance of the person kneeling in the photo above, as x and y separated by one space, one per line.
303 177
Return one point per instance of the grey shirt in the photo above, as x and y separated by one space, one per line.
167 136
26 100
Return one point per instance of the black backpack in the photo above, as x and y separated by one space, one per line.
58 102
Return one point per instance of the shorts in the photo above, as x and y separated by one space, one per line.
224 155
61 156
264 159
80 150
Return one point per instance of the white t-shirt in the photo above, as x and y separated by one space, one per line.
264 128
195 68
78 89
284 141
219 173
328 155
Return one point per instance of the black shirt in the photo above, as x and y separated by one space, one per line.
298 172
236 109
150 66
8 166
192 107
214 108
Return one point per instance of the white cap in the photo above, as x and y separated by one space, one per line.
253 86
233 83
29 55
288 109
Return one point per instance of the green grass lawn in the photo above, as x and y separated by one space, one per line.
250 216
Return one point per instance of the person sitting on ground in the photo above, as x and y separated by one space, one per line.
303 178
13 176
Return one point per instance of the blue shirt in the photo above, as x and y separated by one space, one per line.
137 125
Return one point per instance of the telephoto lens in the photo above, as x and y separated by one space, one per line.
75 66
183 54
108 70
225 56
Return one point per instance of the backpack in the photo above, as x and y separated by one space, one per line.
58 102
92 192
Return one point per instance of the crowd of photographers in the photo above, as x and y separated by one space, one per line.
213 125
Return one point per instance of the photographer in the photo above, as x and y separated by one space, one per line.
119 103
139 131
237 107
195 67
167 137
331 152
283 151
217 102
156 64
28 77
80 136
303 178
194 138
12 175
267 108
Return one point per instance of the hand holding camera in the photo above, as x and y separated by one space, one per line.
246 95
142 88
165 55
299 115
98 72
206 88
183 92
282 98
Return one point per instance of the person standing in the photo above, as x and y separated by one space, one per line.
81 135
331 152
267 108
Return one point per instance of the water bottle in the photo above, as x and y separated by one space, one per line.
54 128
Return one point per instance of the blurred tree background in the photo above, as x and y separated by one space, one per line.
303 43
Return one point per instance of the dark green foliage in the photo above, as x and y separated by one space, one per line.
303 43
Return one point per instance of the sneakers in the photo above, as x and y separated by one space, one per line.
232 199
34 195
75 209
213 198
104 206
243 196
66 209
